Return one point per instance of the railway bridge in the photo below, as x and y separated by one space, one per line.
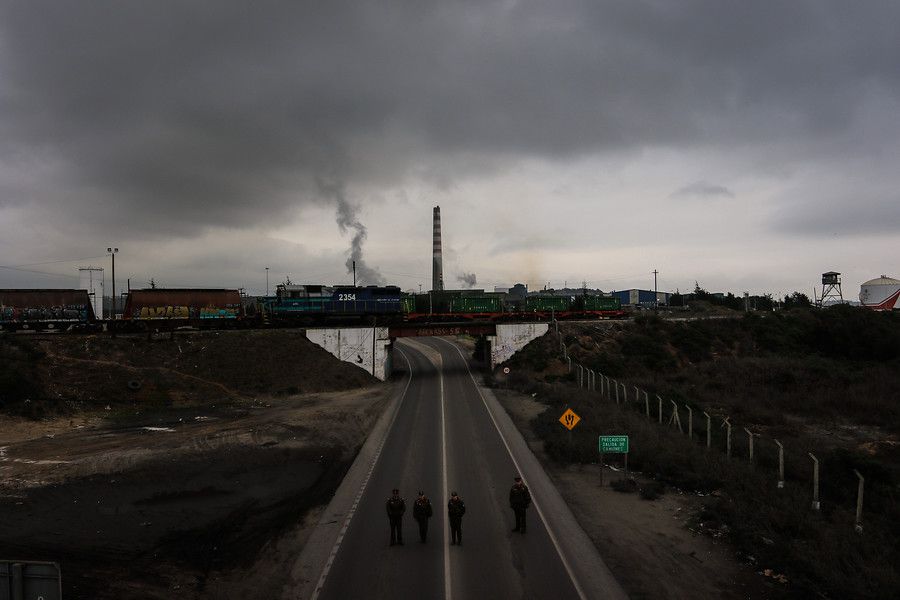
371 348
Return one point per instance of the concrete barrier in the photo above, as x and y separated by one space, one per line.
512 337
368 348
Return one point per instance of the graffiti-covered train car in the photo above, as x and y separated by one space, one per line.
42 310
183 307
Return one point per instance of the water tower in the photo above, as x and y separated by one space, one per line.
831 288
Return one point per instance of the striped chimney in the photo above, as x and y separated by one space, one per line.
437 267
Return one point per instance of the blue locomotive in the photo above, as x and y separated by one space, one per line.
315 303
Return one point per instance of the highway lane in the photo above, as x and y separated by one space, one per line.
444 438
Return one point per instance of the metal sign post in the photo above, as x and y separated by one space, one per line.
614 444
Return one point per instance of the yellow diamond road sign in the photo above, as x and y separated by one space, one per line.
569 419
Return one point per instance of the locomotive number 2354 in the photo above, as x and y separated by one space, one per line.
346 297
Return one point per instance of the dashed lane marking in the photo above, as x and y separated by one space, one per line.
537 507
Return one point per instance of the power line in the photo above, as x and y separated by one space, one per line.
51 262
38 272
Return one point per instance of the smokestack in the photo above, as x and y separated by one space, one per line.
437 267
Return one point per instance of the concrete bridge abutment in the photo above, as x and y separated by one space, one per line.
512 337
368 348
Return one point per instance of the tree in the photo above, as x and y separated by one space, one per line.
796 300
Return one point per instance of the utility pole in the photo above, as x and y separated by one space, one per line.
655 290
354 273
112 252
267 281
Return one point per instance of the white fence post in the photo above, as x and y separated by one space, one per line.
859 502
780 465
660 408
647 403
750 438
727 424
690 422
815 502
676 420
616 382
708 430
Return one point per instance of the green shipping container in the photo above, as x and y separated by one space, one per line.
435 302
602 303
548 303
408 304
475 304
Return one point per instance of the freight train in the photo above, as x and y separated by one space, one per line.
292 305
46 310
314 304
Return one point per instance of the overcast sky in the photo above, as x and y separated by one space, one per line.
743 145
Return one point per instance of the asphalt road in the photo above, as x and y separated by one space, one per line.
444 436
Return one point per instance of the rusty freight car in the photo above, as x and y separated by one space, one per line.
165 308
43 310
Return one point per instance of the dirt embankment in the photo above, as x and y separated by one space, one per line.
204 492
67 374
816 381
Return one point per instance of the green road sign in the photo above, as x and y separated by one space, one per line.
614 444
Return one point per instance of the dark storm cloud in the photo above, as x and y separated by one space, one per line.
161 117
850 215
702 189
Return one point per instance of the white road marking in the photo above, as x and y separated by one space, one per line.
337 544
444 482
537 507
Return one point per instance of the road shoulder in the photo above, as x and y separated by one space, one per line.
650 545
320 546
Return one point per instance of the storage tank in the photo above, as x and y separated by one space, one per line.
880 294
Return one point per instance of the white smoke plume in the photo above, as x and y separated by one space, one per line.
346 216
467 279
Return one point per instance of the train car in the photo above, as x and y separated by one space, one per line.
604 307
476 305
548 304
309 304
167 308
43 310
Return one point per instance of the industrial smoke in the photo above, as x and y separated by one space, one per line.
346 216
467 279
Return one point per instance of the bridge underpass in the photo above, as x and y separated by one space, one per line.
371 348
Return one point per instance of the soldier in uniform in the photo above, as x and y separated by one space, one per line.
456 508
519 499
396 506
421 513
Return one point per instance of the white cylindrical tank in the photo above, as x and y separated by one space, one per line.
880 294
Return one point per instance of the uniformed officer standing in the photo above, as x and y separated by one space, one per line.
519 499
421 513
396 506
456 508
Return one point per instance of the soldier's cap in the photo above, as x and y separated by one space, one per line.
517 478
